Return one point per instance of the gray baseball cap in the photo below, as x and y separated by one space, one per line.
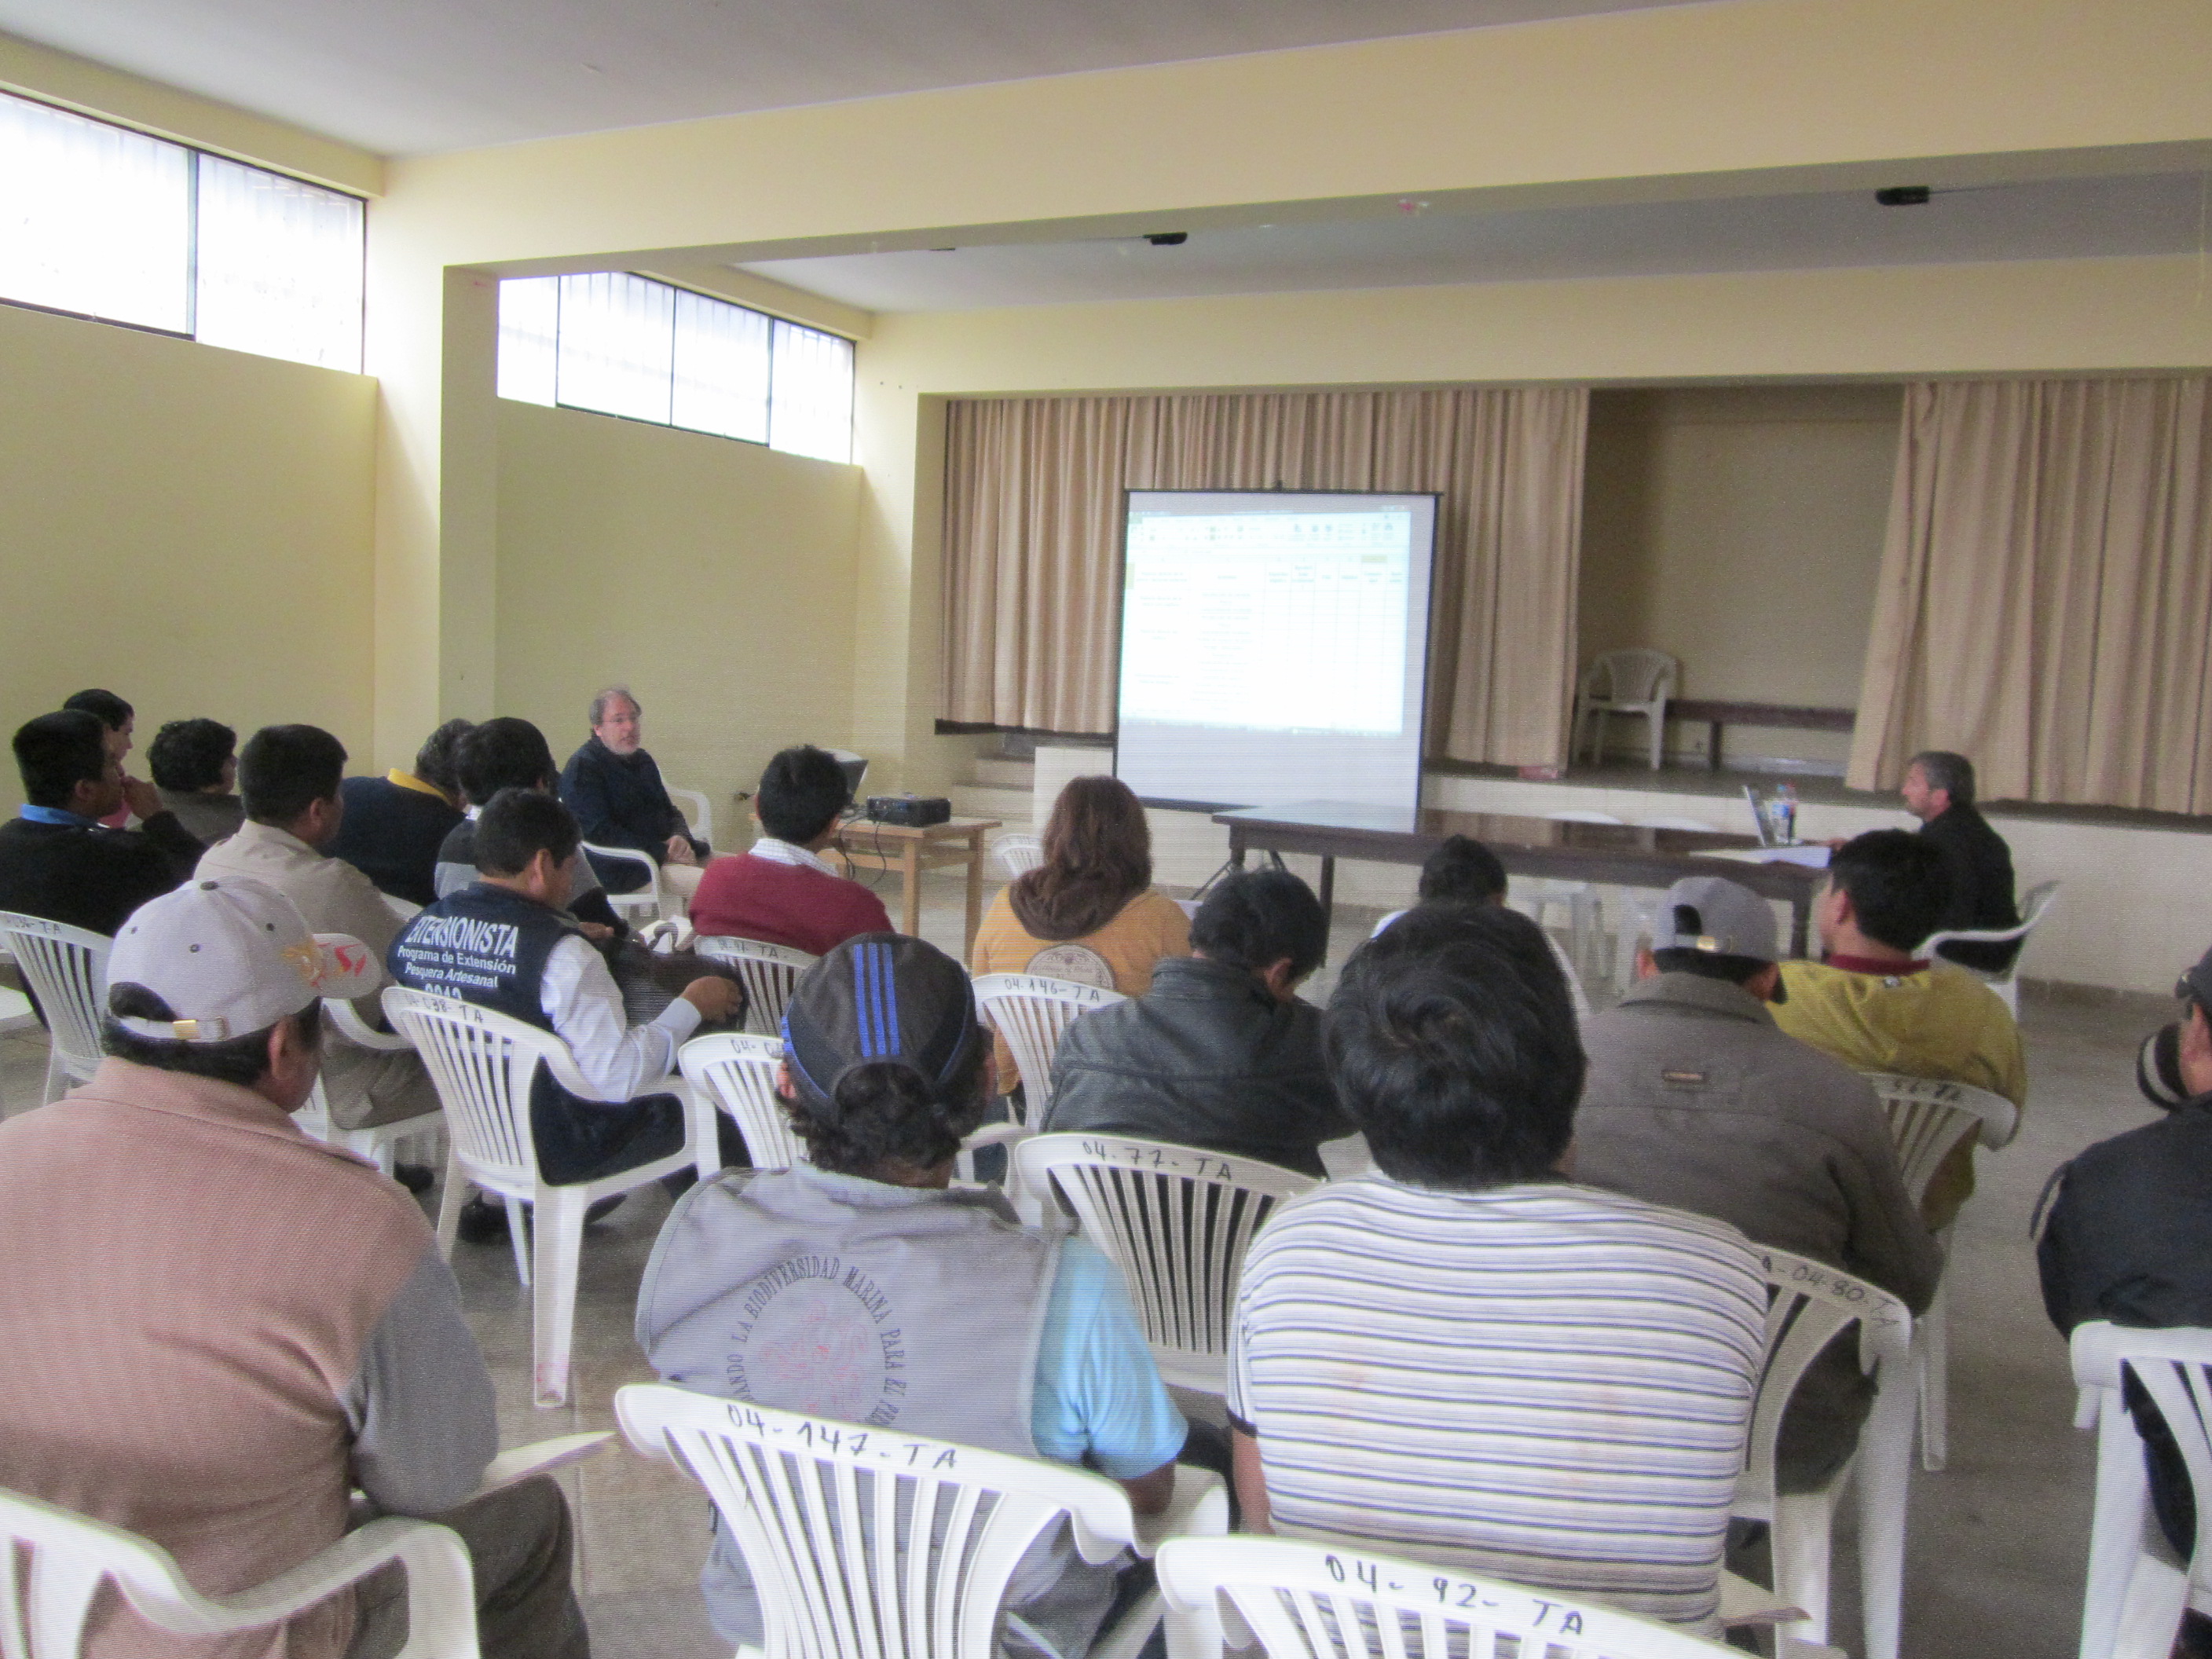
1726 921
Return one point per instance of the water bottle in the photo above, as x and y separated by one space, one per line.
1785 815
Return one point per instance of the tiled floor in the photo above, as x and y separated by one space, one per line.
1997 1539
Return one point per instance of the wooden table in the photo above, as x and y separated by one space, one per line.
1798 717
865 844
1616 855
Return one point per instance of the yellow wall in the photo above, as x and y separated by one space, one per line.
715 578
1739 530
185 525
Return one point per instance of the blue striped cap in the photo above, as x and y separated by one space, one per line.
879 997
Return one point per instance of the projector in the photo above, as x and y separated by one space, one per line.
909 812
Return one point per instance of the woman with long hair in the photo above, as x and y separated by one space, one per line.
1088 913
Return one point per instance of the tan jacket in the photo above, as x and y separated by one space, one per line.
1149 927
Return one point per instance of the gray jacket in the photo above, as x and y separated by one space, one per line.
1205 1058
1695 1099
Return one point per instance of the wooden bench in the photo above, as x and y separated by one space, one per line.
1795 716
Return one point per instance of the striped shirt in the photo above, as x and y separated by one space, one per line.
1546 1383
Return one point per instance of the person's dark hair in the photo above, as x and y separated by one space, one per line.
285 769
1256 917
242 1061
1098 857
802 791
434 760
1462 869
56 752
1899 884
1945 770
1709 964
516 825
110 710
187 756
885 1115
1453 1044
506 753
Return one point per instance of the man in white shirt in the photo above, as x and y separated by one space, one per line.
508 944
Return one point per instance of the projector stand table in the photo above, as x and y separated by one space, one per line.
864 844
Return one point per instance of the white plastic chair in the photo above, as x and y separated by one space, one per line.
1809 1302
1017 854
697 810
1030 1012
735 1071
483 1064
378 1142
1177 1222
824 1513
1318 1601
1927 1119
2033 907
2137 1590
769 972
644 903
66 969
406 910
1640 682
1584 916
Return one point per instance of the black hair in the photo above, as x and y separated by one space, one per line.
516 825
1709 964
243 1061
883 1116
110 710
1453 1045
1899 884
1253 919
1462 868
802 791
285 769
506 753
1946 771
56 752
434 760
187 756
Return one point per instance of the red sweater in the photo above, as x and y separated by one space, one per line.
789 905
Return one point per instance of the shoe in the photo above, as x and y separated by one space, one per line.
415 1177
482 1222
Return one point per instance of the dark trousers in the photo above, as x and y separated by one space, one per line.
584 1139
521 1546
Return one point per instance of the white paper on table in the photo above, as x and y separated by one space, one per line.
1813 855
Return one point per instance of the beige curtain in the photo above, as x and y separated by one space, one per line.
2046 596
1033 524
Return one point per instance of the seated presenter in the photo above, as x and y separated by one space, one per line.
783 891
507 942
1088 913
614 788
945 1316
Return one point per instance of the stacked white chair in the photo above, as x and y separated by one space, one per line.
1030 1012
825 1513
2137 1588
1017 854
1177 1222
769 972
1808 1303
643 904
483 1064
66 969
1927 1119
2033 907
378 1142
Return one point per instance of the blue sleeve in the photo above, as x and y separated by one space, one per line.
1098 1395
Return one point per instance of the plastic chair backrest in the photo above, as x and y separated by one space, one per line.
637 898
2037 899
769 974
738 1070
1030 1012
482 1064
1808 1302
698 812
1175 1219
1638 676
1017 854
825 1514
1927 1117
2172 1365
1314 1601
67 968
52 1563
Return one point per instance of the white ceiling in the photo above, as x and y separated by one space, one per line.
2053 219
411 76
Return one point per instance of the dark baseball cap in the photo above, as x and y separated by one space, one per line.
881 997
